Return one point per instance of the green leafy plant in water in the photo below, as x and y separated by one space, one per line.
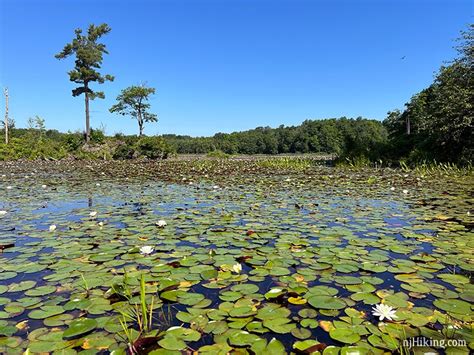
219 154
288 163
85 285
140 314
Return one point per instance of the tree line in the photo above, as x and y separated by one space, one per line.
436 124
339 136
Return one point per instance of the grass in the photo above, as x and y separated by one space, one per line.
139 314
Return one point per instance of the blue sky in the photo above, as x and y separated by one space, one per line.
222 66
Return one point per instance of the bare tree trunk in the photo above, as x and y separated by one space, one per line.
88 127
140 123
6 115
408 126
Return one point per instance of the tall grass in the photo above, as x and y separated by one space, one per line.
436 168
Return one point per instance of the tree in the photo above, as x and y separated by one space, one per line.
7 119
133 101
36 126
439 119
89 55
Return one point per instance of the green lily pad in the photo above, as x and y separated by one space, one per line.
79 327
326 302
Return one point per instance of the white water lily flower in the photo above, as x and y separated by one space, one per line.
52 228
146 250
275 290
237 268
9 187
44 186
392 189
93 214
383 311
3 213
405 191
161 223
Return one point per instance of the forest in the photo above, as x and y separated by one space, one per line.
330 236
436 125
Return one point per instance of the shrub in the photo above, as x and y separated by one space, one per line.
153 148
218 154
124 151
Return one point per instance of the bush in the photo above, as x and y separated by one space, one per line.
153 148
218 154
73 141
97 136
24 148
124 151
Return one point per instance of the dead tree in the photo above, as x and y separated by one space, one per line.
5 92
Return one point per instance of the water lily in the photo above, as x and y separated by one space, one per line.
237 268
52 228
93 214
161 223
405 191
3 213
146 250
383 311
44 186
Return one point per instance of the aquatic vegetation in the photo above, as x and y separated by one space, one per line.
146 250
384 312
237 268
290 163
161 223
269 262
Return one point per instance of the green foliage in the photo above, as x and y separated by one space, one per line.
32 144
26 149
219 154
89 55
133 101
88 59
152 148
97 136
288 163
343 136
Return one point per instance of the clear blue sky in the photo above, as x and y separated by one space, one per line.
222 66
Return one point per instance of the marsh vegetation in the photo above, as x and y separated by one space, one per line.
225 255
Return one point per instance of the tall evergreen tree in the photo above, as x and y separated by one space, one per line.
89 54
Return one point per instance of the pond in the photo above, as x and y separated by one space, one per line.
232 257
